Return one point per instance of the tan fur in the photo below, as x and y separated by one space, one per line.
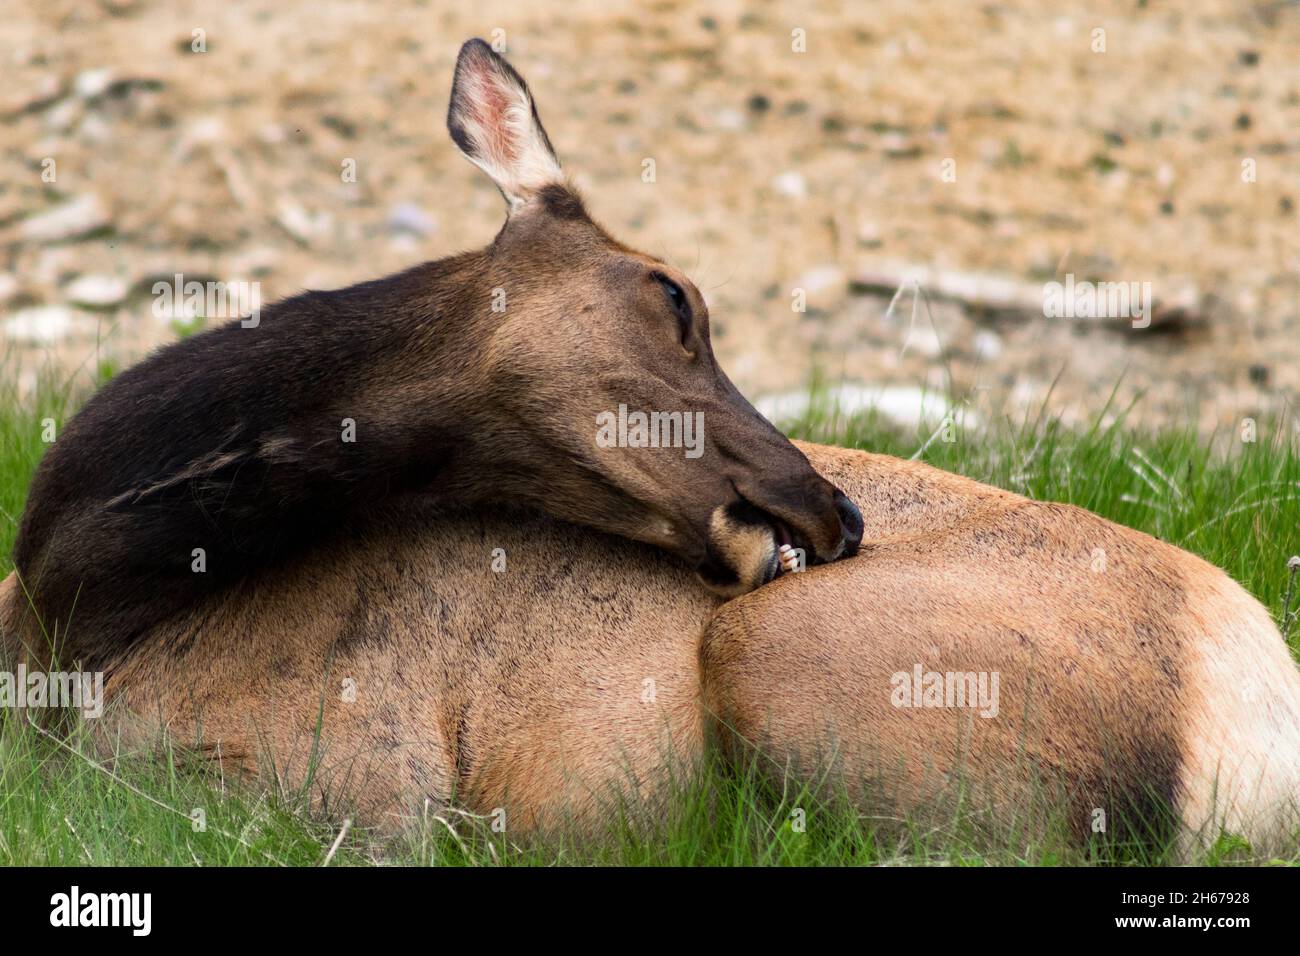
593 665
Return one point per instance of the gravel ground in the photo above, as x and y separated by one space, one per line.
775 170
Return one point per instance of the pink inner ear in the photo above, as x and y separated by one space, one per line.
489 112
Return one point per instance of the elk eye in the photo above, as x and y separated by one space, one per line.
681 305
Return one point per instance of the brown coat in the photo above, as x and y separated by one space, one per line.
1130 672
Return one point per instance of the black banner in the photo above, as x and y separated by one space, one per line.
344 904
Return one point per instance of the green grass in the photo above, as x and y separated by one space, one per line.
1238 506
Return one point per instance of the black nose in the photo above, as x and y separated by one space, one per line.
850 522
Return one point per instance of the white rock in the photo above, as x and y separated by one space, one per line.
822 281
791 184
905 405
81 216
92 83
205 131
923 338
1026 394
46 325
301 224
96 291
63 116
987 344
729 119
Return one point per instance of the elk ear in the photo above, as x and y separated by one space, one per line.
494 122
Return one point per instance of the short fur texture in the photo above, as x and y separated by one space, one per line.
1156 690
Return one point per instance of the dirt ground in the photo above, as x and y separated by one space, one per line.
776 169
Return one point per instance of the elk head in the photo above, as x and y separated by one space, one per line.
605 405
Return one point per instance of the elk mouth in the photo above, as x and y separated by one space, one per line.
785 540
783 536
745 548
781 531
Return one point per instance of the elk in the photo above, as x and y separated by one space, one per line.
502 660
547 654
229 452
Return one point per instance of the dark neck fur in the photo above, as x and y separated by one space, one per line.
233 442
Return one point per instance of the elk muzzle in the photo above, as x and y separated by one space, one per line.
747 536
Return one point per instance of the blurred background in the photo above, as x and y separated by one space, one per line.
971 152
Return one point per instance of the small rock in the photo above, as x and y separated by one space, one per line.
409 219
791 184
96 291
822 281
90 84
299 223
45 324
868 234
64 116
987 345
203 132
923 338
729 119
79 217
906 405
